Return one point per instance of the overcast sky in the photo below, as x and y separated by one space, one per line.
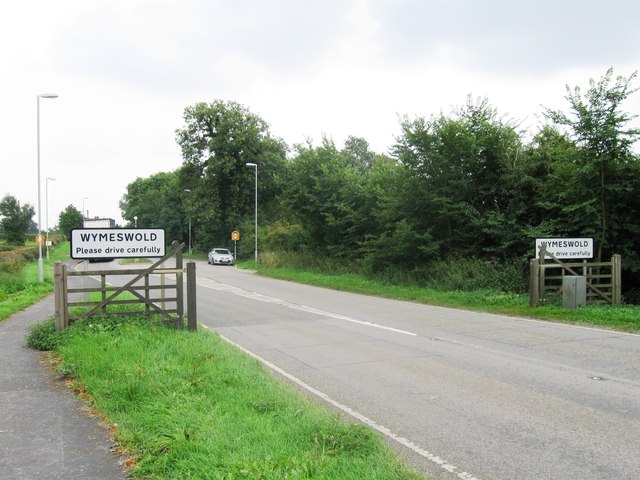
125 70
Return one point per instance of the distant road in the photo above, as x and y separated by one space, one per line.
461 395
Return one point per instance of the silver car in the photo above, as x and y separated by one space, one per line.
220 256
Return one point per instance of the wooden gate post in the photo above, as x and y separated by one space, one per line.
192 311
60 296
534 282
541 272
616 279
179 285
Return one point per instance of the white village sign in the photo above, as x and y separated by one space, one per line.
578 248
89 243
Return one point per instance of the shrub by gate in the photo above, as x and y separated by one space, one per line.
170 307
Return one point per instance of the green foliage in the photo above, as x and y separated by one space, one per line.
451 274
321 196
217 142
461 186
468 274
305 261
10 282
12 261
159 201
69 219
17 294
282 236
332 196
15 219
601 174
43 336
400 247
467 185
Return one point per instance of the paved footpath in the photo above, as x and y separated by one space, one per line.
44 432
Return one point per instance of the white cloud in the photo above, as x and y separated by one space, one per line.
511 37
126 69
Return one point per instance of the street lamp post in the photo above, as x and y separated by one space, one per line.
249 164
46 202
40 266
189 191
83 211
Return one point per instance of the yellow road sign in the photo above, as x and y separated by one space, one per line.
235 236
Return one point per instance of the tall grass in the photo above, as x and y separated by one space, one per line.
452 274
188 405
304 261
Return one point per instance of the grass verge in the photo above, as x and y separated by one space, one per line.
19 290
619 317
188 405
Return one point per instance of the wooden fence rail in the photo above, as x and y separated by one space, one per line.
169 303
603 279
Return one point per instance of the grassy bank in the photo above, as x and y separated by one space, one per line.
188 405
623 317
21 288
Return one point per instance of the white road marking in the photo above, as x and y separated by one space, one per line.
208 283
360 417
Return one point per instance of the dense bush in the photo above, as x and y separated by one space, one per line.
13 260
281 236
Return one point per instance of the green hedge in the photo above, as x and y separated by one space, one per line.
13 258
12 261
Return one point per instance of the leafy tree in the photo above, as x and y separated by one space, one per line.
158 201
399 238
543 162
217 142
356 151
325 193
69 219
15 219
600 130
460 165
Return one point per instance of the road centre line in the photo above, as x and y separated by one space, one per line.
349 319
208 283
358 416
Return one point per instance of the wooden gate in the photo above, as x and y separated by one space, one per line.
169 305
604 282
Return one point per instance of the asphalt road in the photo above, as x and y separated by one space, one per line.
460 395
